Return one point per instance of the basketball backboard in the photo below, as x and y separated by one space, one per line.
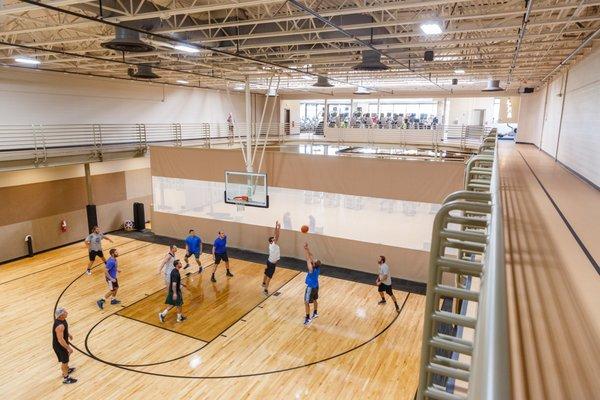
247 188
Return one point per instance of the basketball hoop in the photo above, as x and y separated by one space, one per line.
240 202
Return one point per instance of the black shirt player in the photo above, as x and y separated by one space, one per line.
60 343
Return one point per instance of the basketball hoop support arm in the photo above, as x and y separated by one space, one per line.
249 160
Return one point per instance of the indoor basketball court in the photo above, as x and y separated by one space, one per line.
304 200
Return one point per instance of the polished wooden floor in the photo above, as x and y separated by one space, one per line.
236 344
553 287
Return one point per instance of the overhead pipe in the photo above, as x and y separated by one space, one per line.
573 54
324 20
522 31
177 40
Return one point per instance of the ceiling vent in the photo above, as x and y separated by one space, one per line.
322 81
144 71
493 86
128 41
454 81
428 55
371 61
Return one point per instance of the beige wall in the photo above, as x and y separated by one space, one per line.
28 97
562 117
460 110
579 142
34 202
531 117
422 181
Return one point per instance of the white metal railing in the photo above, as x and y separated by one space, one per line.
458 136
467 240
38 143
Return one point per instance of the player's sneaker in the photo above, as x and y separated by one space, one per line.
229 273
115 301
212 278
71 370
161 317
186 266
306 321
381 302
88 271
100 304
266 292
315 315
397 308
200 269
69 380
183 318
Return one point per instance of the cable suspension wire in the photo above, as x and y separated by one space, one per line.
180 41
262 154
522 31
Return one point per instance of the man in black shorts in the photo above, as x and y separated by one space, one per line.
94 243
175 297
60 344
274 256
219 252
384 282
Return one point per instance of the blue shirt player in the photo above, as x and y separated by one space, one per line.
110 273
193 247
219 252
311 294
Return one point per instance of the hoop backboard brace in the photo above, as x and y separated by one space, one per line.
246 189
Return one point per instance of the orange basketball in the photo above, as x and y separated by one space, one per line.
304 229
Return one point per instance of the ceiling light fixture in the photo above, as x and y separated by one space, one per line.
182 81
431 28
29 61
186 48
459 71
361 90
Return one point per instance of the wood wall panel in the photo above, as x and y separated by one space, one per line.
412 180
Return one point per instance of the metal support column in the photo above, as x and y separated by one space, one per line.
248 127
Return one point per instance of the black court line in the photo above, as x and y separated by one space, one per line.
565 220
88 353
258 373
91 354
60 264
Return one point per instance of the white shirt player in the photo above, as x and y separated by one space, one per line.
274 253
384 270
169 266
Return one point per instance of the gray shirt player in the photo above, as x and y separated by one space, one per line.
95 241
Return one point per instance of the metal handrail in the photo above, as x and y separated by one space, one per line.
491 361
34 145
479 242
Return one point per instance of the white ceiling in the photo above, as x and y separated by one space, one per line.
272 37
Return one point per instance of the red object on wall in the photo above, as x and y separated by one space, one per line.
63 226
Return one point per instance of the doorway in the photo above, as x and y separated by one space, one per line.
286 121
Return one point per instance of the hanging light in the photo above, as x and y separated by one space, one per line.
493 85
28 61
322 81
362 90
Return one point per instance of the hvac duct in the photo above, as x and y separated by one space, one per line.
371 61
322 81
144 71
127 40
